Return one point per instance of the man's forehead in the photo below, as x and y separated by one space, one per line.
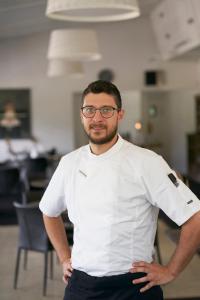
100 98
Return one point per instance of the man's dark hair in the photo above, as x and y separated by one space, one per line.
101 86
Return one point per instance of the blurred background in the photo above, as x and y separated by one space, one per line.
46 60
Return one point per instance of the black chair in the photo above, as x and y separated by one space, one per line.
12 188
69 228
36 168
37 174
32 236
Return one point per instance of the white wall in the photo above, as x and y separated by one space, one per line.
127 48
181 121
132 105
175 118
155 128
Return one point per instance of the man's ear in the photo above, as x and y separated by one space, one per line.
81 116
121 114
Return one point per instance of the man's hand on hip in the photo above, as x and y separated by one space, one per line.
155 274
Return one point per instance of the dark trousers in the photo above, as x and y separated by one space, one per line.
82 286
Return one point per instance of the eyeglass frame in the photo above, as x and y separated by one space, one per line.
113 109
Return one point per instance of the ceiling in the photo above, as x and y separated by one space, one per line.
21 17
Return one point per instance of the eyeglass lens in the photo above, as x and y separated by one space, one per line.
106 111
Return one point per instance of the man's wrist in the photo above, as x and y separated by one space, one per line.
171 270
65 259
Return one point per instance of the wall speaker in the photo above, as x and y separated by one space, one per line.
150 78
154 77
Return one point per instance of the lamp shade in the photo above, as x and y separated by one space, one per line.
92 10
75 69
73 45
59 68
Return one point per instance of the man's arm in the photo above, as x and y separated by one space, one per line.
186 248
57 234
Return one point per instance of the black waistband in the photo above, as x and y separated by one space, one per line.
90 282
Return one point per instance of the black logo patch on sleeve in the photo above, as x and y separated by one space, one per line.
190 201
173 179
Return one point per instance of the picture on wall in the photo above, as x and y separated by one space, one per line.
15 113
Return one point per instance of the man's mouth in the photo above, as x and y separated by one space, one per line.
97 127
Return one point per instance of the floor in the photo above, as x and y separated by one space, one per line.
30 281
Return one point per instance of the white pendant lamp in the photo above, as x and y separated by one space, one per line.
92 10
75 69
73 45
60 68
56 68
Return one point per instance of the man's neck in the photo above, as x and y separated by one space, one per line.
100 149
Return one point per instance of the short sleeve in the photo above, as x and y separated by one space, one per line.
168 192
53 202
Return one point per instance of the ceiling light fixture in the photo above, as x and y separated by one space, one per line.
60 68
92 10
73 45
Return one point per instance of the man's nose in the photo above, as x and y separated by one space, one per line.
97 116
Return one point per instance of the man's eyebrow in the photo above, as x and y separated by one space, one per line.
106 105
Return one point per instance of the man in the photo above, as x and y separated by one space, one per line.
113 190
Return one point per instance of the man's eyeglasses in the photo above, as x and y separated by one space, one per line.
105 111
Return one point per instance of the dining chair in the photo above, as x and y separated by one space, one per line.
12 188
32 237
36 167
69 228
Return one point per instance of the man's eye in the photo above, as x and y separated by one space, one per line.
89 109
106 110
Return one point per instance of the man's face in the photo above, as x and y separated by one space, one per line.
101 130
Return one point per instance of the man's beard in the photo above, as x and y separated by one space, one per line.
104 140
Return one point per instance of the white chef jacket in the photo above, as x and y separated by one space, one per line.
113 201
